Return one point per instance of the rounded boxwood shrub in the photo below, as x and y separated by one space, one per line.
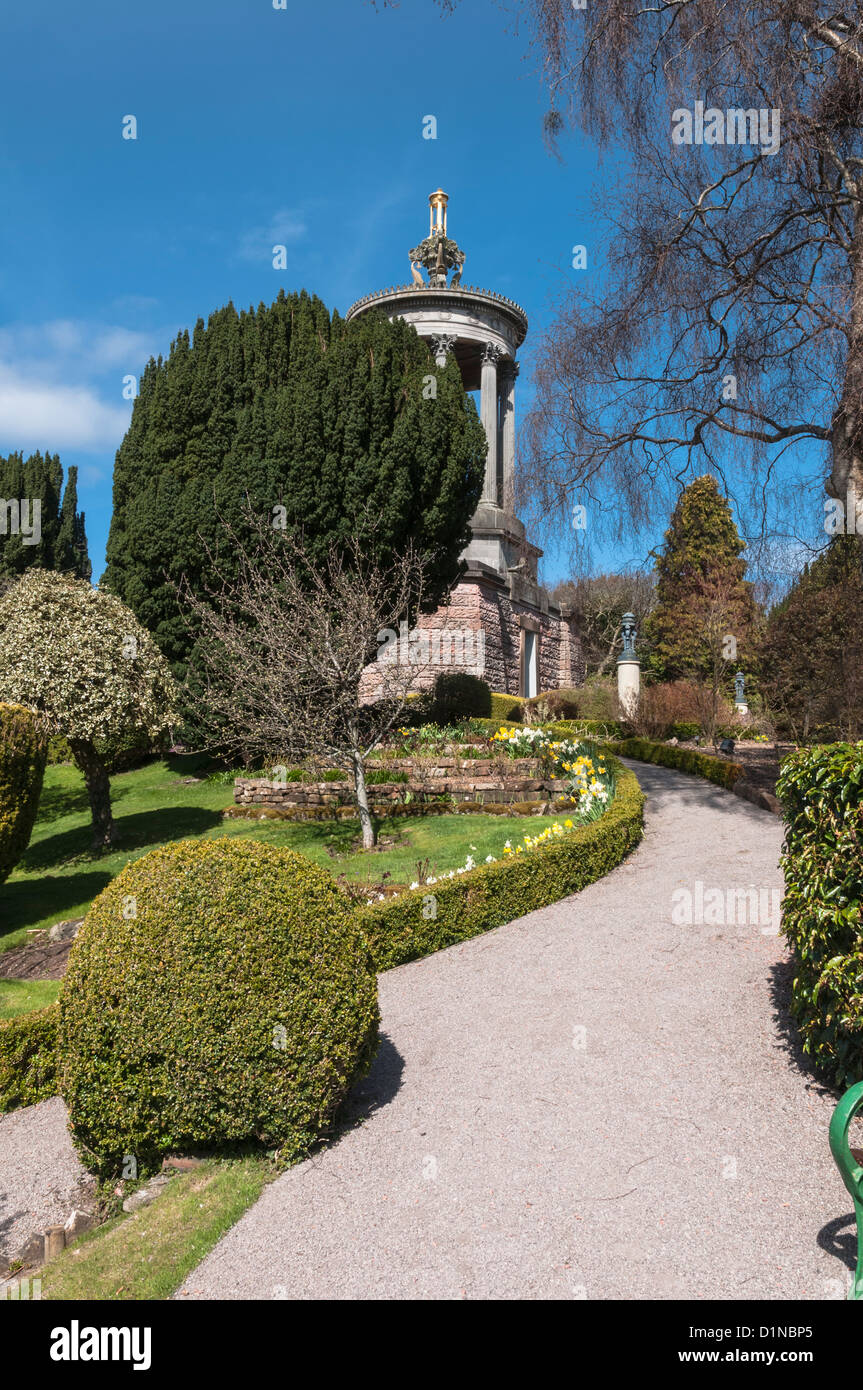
23 752
457 695
219 994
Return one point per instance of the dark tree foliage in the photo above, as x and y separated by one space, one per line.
812 652
699 580
352 430
62 540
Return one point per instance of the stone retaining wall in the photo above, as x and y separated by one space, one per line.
461 779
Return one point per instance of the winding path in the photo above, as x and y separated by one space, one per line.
591 1102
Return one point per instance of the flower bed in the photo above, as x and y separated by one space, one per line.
469 902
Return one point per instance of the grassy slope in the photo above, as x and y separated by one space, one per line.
59 876
149 1254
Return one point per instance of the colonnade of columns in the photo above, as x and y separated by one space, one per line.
497 412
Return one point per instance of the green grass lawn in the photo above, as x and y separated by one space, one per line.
59 876
148 1255
22 996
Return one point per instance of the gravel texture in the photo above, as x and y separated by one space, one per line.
41 1178
591 1102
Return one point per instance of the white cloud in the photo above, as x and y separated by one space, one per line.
88 347
284 227
61 382
36 413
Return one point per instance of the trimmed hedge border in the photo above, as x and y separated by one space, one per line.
28 1065
821 792
397 931
491 895
718 770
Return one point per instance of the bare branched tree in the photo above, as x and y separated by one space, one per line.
284 643
728 325
600 602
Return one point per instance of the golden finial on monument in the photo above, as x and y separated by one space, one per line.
437 212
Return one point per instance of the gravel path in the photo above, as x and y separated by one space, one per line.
41 1178
591 1102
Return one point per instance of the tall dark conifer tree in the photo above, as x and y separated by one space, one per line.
286 406
60 543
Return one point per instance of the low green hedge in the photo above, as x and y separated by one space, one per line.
28 1058
506 708
588 728
717 770
821 791
402 929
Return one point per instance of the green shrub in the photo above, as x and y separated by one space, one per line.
821 791
457 695
507 708
717 770
23 751
685 730
28 1058
402 929
380 776
551 705
588 728
219 995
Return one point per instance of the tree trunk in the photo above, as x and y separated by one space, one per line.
98 790
366 822
846 478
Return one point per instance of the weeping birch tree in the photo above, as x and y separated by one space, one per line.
725 329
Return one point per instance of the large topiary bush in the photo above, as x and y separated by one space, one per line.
219 993
458 695
821 790
23 752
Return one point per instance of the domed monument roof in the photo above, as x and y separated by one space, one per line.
441 307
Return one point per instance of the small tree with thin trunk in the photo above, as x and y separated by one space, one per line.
285 639
81 658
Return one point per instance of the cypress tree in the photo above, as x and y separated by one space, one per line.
62 540
702 554
286 405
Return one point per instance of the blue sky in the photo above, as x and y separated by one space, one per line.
255 126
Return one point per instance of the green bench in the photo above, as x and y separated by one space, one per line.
850 1164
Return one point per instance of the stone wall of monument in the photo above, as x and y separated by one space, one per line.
479 631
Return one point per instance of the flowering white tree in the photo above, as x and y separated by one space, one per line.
80 657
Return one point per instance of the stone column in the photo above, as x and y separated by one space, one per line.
491 353
508 374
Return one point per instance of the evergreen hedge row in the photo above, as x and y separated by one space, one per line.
28 1058
821 791
403 928
717 770
23 750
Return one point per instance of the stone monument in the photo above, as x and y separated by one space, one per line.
628 668
529 644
